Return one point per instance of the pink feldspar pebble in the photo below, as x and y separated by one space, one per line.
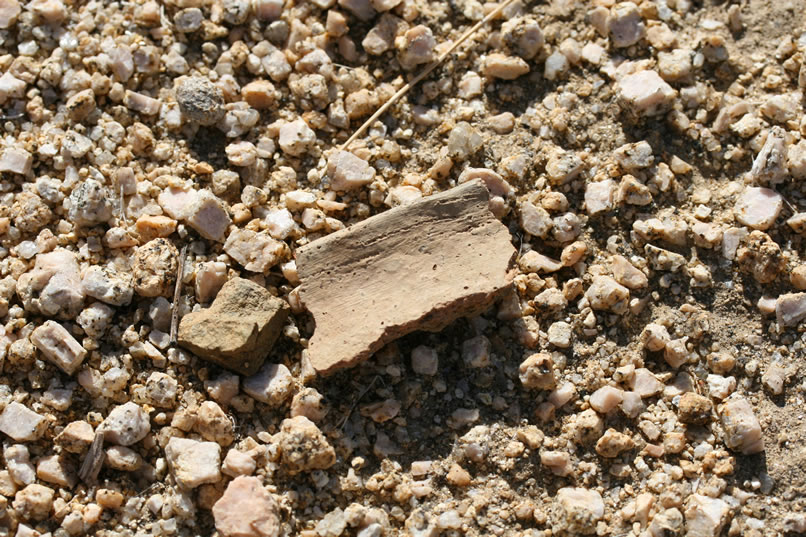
417 47
606 399
758 208
645 383
246 510
599 196
646 93
16 160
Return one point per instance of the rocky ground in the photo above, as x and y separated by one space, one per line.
618 350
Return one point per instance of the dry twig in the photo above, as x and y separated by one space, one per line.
93 460
357 400
402 91
180 273
121 207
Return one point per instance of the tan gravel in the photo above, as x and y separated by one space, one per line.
606 340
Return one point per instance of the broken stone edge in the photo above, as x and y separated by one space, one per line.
266 340
470 305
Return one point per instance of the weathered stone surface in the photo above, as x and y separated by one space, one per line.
272 384
645 93
200 100
578 510
193 463
705 517
537 371
58 346
9 11
742 428
415 267
108 285
296 138
21 423
533 261
53 287
758 208
210 277
122 458
10 86
599 196
382 36
154 270
416 47
627 274
208 216
256 252
126 424
348 172
76 437
606 399
238 330
790 308
34 502
303 447
16 160
89 204
247 509
613 443
769 166
694 408
57 470
606 293
626 27
505 67
18 464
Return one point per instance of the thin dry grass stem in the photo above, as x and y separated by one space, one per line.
93 460
180 274
357 400
121 207
790 206
402 91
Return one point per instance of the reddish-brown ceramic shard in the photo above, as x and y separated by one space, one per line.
415 267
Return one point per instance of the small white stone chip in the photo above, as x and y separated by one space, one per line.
790 308
646 93
758 207
126 424
606 399
559 334
56 470
705 516
599 196
142 103
16 160
605 293
108 285
348 172
193 463
272 384
21 423
256 252
59 346
741 426
208 216
296 138
580 510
